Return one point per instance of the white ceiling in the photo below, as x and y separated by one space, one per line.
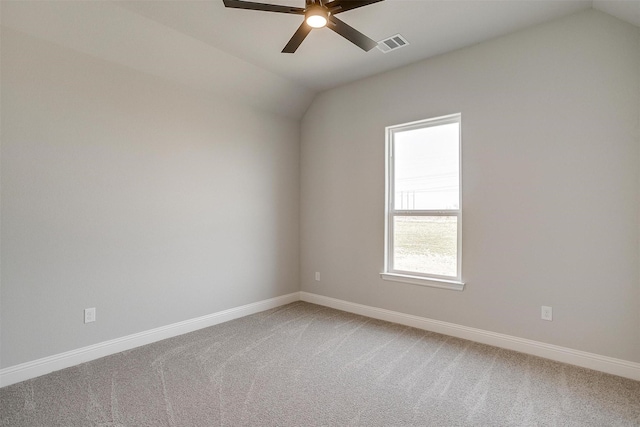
235 54
626 10
326 60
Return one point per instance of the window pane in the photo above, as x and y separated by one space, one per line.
426 168
426 244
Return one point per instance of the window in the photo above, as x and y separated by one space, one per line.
423 203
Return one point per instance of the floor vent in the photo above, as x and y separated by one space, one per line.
392 43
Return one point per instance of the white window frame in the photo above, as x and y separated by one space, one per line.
418 278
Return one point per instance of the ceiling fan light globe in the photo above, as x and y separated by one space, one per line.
316 21
316 16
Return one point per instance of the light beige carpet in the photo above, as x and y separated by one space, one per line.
306 365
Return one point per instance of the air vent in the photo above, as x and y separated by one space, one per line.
392 43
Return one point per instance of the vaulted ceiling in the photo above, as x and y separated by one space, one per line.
236 53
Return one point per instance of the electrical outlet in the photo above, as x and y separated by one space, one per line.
546 313
89 315
317 276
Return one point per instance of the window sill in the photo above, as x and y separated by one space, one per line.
424 281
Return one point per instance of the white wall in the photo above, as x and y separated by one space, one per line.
136 196
156 203
551 140
105 29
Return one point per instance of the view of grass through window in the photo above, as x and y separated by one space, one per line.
426 244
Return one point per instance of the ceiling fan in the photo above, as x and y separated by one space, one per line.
318 14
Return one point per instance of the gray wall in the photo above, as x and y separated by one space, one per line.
156 204
550 184
143 199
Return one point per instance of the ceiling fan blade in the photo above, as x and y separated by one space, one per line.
339 6
238 4
298 37
351 34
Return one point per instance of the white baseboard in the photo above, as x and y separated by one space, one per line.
584 359
36 368
25 371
